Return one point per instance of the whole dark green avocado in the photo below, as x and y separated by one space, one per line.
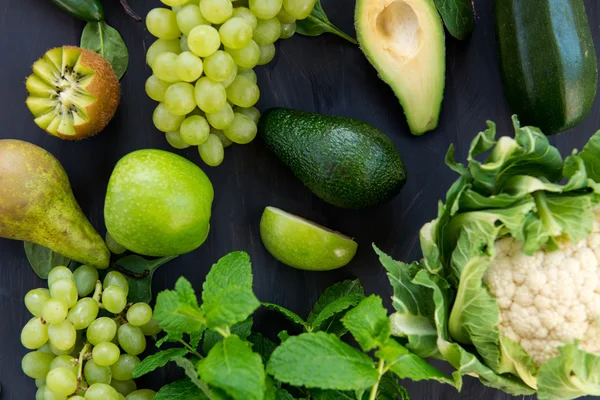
345 162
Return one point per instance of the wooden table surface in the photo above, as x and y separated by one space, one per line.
323 74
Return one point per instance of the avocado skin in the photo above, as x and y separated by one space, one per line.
345 162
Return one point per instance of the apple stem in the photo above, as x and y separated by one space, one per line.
130 11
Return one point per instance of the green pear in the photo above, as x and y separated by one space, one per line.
37 205
158 203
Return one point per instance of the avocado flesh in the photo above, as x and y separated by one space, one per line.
404 41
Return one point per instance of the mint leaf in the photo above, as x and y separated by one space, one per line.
334 325
190 372
407 365
318 394
157 360
390 389
177 311
261 345
169 337
292 316
183 389
232 366
196 337
283 336
227 292
335 299
241 329
321 360
368 323
282 394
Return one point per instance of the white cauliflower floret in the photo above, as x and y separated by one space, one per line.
548 299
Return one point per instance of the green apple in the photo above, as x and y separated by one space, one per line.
302 244
158 204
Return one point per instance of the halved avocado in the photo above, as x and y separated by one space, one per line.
404 40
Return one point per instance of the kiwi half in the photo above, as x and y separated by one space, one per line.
73 92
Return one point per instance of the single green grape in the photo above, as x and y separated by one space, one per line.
34 334
114 299
267 53
101 391
210 95
151 328
105 354
57 273
57 352
287 30
36 364
162 46
242 131
131 339
267 31
162 23
86 277
50 395
164 67
62 335
83 313
115 278
216 11
174 139
245 13
166 121
248 73
77 398
111 243
183 45
251 112
243 92
204 40
46 349
284 17
101 330
236 33
246 57
40 382
54 311
175 3
39 395
190 17
194 131
65 361
65 291
61 381
222 118
123 368
231 77
299 9
35 300
189 67
265 9
124 387
140 313
219 66
211 151
141 394
179 98
95 373
224 139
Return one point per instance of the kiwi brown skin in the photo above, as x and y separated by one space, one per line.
107 90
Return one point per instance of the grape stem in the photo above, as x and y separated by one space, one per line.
98 294
130 11
82 356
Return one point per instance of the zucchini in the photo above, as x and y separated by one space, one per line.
548 61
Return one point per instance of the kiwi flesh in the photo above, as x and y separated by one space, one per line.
73 92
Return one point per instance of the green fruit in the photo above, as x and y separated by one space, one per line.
404 40
303 244
345 162
158 204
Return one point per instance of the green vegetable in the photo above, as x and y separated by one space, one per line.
548 61
508 286
458 16
345 162
317 23
86 10
106 41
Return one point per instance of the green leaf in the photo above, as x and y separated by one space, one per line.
227 292
337 298
292 316
458 17
321 360
42 259
390 389
183 389
233 367
105 40
318 394
283 336
262 345
318 23
334 325
177 311
157 360
572 374
190 371
368 323
591 157
241 329
139 272
196 337
169 337
282 394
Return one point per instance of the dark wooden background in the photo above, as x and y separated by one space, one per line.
323 74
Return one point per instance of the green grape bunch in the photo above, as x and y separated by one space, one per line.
85 338
203 68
